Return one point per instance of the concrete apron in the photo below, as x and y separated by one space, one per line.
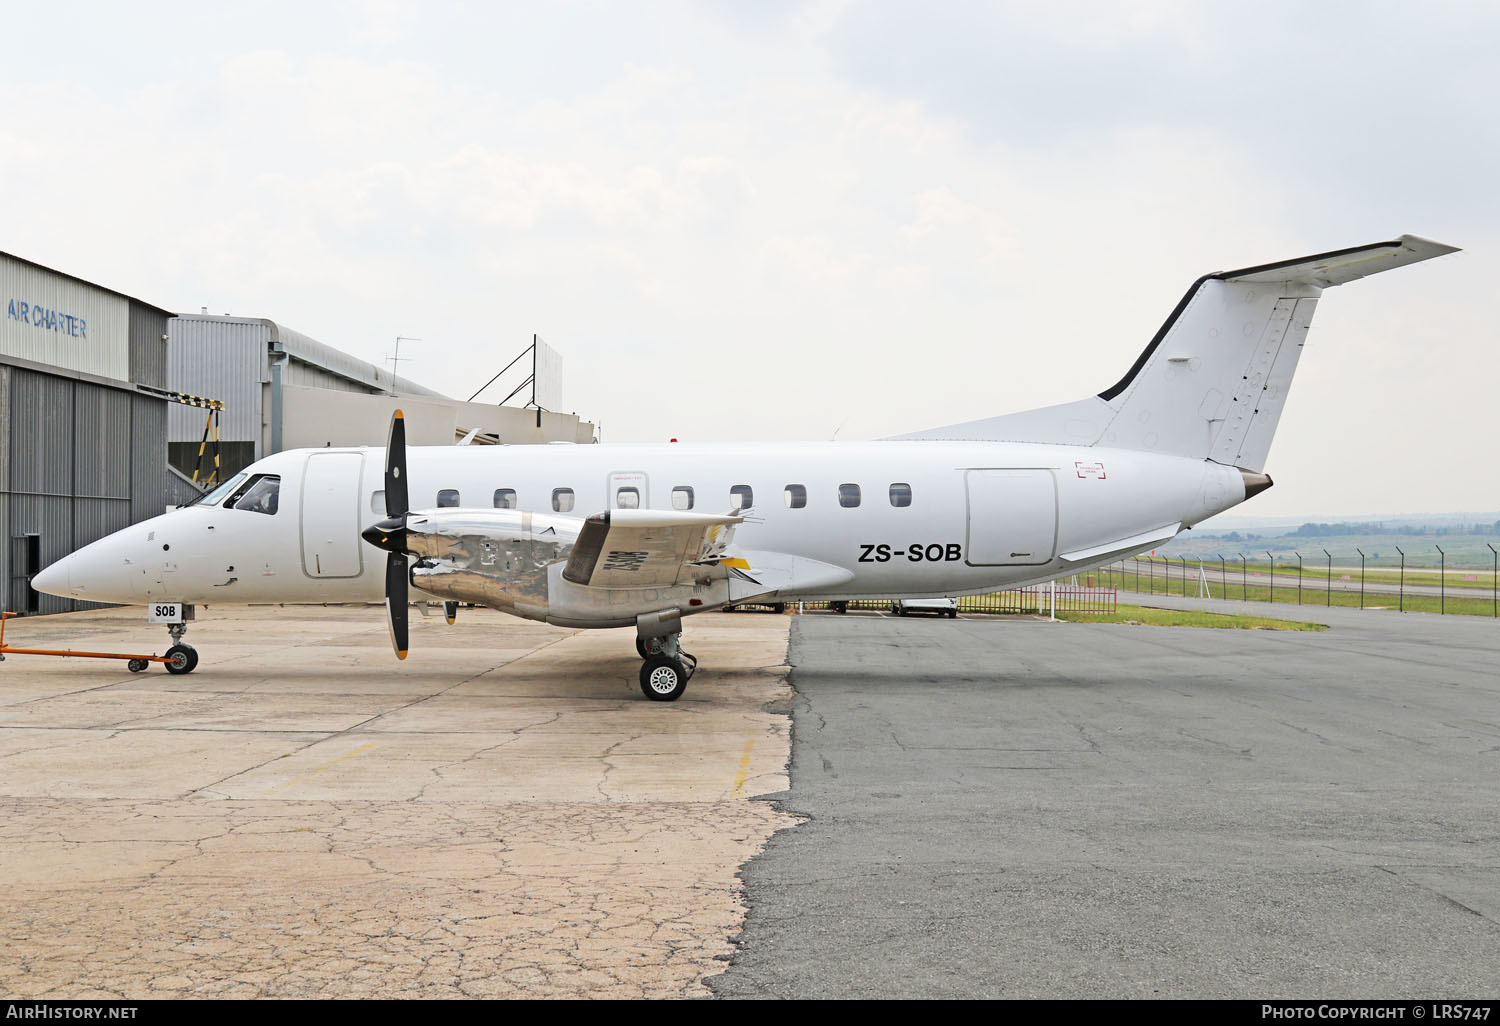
501 815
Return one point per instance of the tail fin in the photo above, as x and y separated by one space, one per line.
1213 380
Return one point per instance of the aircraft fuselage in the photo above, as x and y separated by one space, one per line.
903 518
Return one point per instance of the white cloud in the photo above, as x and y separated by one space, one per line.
712 212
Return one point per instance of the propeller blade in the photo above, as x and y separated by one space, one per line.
396 502
395 601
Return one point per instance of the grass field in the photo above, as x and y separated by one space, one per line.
1257 590
1148 616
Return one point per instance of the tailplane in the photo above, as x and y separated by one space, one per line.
1212 382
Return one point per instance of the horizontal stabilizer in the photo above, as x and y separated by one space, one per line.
1345 265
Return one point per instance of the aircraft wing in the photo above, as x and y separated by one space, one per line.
646 548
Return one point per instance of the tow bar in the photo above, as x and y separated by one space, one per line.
134 663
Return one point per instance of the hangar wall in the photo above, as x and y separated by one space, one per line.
83 451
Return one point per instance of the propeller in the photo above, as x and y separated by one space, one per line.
390 534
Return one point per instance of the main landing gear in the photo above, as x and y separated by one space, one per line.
181 658
666 669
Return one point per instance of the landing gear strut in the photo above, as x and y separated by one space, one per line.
181 658
666 669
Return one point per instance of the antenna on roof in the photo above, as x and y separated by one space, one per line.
397 358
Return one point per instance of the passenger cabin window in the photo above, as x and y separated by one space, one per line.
741 497
505 498
900 495
795 496
447 497
562 500
682 497
377 503
848 495
260 494
627 498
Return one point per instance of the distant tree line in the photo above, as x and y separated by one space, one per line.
1316 530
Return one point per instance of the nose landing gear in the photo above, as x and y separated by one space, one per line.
181 658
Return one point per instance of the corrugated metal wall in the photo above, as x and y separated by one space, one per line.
219 359
307 375
35 307
5 542
148 345
41 473
83 461
148 457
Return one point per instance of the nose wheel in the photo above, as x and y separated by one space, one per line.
181 658
666 668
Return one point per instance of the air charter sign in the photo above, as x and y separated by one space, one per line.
55 320
51 320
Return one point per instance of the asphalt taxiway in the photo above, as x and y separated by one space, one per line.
1017 808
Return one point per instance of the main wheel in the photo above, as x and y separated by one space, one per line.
136 665
663 679
181 659
647 647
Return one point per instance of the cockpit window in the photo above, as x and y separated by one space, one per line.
213 498
261 494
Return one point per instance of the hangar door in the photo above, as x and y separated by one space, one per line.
330 514
1012 517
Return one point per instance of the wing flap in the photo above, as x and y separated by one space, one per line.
644 548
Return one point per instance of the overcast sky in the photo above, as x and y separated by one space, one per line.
778 220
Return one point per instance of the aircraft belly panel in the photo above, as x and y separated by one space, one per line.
1012 517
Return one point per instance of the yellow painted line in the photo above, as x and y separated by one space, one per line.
744 773
323 768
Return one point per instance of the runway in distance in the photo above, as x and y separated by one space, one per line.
640 536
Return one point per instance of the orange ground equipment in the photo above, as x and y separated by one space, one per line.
174 661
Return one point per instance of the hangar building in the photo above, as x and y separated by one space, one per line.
82 449
90 443
284 390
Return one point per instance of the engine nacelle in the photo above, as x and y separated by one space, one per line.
497 558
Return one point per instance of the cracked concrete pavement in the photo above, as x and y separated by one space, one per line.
501 815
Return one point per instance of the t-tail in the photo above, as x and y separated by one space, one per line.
1213 380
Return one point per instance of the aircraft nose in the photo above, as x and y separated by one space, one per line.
55 579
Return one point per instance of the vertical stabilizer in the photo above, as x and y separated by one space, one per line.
1212 382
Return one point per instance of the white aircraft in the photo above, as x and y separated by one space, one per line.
643 535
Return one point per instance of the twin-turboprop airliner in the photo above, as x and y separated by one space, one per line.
644 535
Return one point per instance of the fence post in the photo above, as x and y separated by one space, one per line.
1299 578
1223 579
1244 580
1273 576
1401 585
1328 584
1442 577
1494 581
1361 577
